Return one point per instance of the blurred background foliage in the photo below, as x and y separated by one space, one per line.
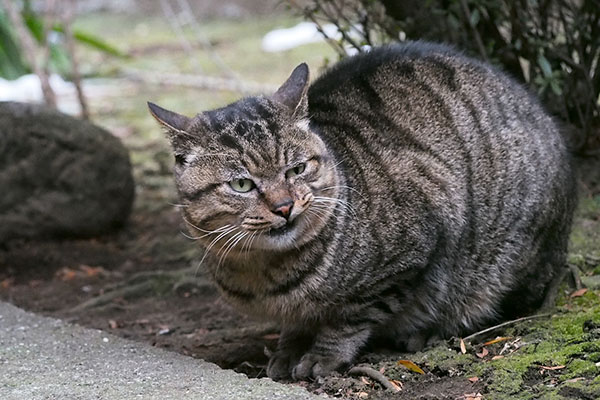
551 45
13 62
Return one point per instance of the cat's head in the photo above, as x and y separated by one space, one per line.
252 175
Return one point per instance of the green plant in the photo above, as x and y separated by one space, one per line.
12 58
552 45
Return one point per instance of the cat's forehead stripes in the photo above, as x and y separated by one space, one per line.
251 128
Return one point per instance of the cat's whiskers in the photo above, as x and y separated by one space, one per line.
212 244
200 229
179 205
319 216
246 245
326 212
208 233
233 241
343 187
259 234
344 204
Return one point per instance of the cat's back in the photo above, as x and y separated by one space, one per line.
430 102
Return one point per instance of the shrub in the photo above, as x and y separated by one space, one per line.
551 45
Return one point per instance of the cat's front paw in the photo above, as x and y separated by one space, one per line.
280 365
313 365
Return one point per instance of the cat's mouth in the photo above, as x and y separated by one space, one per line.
283 229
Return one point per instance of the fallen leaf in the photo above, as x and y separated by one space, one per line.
6 283
397 384
92 271
553 368
472 396
382 370
113 324
66 274
581 378
579 293
411 366
365 380
497 357
463 348
497 340
484 352
473 379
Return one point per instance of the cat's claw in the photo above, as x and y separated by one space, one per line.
313 365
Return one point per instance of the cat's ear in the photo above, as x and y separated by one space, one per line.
293 93
176 123
177 126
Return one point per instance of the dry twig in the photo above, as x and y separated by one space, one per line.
491 328
375 375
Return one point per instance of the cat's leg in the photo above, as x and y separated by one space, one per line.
292 344
333 350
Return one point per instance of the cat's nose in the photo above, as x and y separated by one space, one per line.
284 209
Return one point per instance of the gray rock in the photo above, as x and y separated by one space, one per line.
59 176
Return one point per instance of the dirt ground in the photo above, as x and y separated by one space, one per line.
142 283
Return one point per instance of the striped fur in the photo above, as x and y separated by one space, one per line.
436 198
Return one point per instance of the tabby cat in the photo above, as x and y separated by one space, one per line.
409 193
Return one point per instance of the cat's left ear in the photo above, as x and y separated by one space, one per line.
293 93
176 123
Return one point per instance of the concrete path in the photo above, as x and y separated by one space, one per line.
44 358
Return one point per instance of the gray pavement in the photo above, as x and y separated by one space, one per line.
45 358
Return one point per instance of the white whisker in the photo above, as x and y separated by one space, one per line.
236 239
345 205
214 241
179 205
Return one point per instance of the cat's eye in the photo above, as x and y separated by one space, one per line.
297 170
242 185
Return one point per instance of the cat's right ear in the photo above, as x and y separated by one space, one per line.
293 92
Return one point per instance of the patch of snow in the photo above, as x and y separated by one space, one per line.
303 33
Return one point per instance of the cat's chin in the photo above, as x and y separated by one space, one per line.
283 238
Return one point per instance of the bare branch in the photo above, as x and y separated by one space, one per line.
30 51
67 19
478 41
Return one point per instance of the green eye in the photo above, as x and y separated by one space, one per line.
242 185
297 170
